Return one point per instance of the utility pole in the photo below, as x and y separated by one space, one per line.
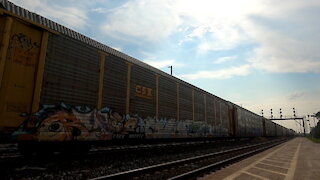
304 129
309 123
170 69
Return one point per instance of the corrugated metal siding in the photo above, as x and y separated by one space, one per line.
185 103
248 123
138 105
236 121
270 128
258 125
279 130
241 122
224 119
199 106
217 122
71 72
115 84
167 98
210 110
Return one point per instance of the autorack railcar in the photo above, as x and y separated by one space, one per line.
58 85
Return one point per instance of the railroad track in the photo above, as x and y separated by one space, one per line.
10 153
192 167
9 150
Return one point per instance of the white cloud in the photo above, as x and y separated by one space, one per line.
149 20
285 33
296 95
220 74
73 16
285 51
225 59
99 10
117 48
164 63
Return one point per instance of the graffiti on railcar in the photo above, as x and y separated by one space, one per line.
64 123
23 50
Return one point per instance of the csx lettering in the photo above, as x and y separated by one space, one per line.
143 92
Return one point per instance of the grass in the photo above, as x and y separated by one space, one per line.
316 140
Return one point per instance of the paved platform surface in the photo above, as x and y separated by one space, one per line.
298 159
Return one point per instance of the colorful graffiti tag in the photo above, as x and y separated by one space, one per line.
65 123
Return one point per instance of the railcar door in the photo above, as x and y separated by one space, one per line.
23 46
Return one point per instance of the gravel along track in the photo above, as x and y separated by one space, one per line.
103 161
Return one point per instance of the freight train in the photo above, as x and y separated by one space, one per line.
58 85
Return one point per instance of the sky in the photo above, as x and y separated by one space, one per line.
259 54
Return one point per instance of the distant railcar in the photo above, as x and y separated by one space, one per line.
270 128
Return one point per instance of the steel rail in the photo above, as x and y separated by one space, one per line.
204 169
15 155
157 167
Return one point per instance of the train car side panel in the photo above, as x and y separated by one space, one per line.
185 103
115 84
199 106
19 68
217 120
166 125
143 96
167 98
71 73
225 121
211 113
270 128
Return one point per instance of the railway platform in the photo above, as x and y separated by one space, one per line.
297 159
